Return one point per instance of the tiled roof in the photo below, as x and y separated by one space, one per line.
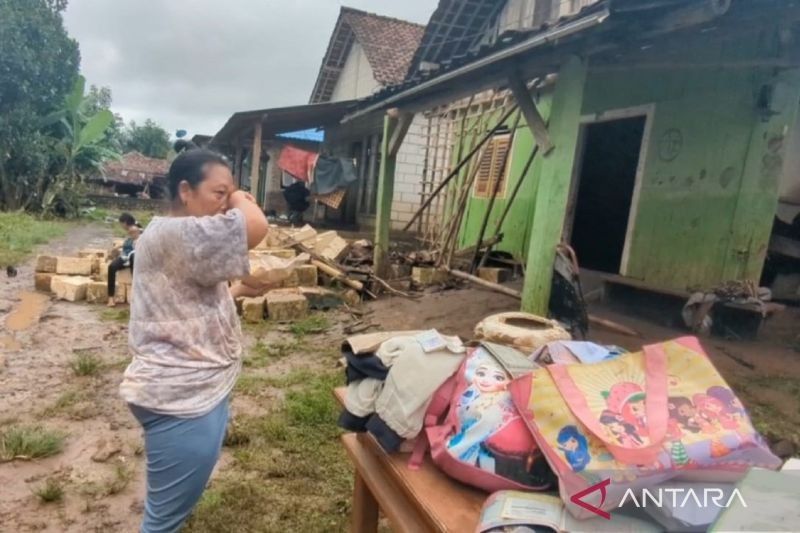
388 43
136 169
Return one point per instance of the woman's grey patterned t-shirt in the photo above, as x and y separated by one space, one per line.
185 336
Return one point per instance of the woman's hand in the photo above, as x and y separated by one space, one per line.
255 221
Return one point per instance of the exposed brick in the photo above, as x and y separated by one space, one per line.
495 275
253 309
424 276
42 281
286 306
307 276
74 266
70 288
46 264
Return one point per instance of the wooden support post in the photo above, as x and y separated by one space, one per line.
237 166
532 117
550 203
403 123
385 195
365 508
255 158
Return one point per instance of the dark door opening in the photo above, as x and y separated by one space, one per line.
605 192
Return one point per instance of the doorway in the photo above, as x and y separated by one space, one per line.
603 194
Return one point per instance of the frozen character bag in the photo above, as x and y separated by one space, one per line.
639 420
475 432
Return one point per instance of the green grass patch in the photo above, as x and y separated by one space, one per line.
290 475
312 325
77 404
121 315
29 442
86 364
51 492
20 233
262 353
251 385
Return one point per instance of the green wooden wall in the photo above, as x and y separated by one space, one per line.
710 179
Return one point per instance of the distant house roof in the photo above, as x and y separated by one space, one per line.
135 169
388 43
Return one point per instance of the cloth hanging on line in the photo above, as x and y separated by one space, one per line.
333 200
331 173
297 162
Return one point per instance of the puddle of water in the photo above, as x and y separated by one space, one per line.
10 344
27 312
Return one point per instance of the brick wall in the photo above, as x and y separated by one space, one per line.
409 173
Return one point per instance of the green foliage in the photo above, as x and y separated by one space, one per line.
150 139
85 364
29 442
20 233
314 324
38 67
51 492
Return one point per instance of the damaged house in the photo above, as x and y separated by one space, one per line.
650 136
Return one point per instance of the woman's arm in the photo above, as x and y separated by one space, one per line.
255 221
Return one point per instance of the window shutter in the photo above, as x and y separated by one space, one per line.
491 167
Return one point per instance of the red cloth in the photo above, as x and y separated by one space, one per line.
299 163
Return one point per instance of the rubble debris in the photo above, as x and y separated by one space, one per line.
46 264
253 309
70 288
494 275
42 281
427 276
74 266
286 305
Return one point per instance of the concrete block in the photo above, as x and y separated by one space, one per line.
97 292
70 288
42 281
307 275
425 276
286 306
74 266
121 293
399 271
495 275
93 252
304 234
330 246
124 277
293 281
253 309
128 293
103 273
46 264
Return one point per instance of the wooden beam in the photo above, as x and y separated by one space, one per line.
385 196
532 116
237 165
255 157
404 122
550 203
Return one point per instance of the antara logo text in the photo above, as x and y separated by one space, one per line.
677 497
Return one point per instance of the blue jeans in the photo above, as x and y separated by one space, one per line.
181 454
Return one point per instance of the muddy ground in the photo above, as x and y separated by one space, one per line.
102 468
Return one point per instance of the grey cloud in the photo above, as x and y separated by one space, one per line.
192 63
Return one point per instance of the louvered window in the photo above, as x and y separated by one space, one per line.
492 168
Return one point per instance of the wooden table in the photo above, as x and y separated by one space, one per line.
412 500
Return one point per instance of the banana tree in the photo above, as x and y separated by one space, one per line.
81 145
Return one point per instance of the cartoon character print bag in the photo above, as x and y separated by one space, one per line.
639 420
476 434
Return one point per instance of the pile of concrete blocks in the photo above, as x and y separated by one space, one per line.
81 278
328 244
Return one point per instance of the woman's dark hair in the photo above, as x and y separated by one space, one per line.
127 219
190 166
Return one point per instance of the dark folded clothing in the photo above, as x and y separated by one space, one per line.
350 422
386 436
363 366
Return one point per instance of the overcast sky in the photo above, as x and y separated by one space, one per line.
190 64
